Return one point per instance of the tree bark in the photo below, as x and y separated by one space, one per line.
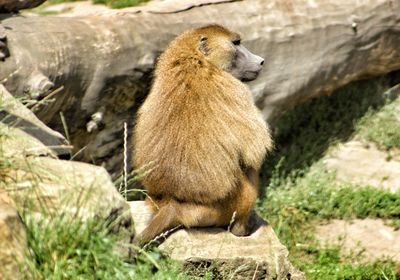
104 62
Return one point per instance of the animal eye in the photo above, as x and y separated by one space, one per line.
236 42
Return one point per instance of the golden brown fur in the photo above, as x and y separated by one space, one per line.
201 132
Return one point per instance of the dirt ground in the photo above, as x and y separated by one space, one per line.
362 163
366 240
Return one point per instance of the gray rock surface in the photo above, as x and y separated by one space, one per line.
14 114
259 256
42 184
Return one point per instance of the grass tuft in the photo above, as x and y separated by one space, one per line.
382 127
294 210
118 4
62 248
115 4
327 264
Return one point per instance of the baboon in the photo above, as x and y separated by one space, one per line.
202 134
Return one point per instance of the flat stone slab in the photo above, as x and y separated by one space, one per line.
373 237
258 256
362 163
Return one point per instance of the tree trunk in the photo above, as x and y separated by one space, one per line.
104 62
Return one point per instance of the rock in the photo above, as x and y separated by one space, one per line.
59 186
372 239
43 184
259 256
105 60
19 144
13 242
15 114
4 53
7 6
363 164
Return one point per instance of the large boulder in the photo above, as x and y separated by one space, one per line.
41 184
258 256
13 242
70 187
16 115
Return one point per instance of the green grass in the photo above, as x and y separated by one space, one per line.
62 245
316 196
304 134
115 4
295 209
61 1
327 264
300 192
65 248
382 127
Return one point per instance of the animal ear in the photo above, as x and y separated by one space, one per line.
203 44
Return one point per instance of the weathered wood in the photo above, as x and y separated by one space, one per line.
104 61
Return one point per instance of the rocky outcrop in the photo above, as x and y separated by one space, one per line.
13 242
43 185
104 61
38 176
7 6
259 256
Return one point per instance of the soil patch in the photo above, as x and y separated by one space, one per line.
363 164
367 239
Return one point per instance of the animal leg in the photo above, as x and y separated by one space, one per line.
246 198
189 215
164 220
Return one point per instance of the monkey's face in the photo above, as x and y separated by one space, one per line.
245 65
225 51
